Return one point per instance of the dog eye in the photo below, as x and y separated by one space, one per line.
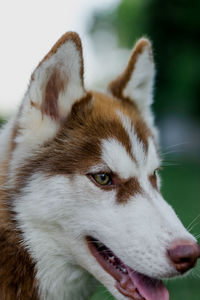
103 179
156 171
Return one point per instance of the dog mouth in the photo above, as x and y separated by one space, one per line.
130 283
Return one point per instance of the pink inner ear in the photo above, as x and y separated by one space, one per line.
55 85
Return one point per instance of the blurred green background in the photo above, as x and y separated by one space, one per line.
181 185
174 28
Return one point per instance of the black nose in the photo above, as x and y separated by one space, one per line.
184 255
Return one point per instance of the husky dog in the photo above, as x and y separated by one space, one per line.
80 199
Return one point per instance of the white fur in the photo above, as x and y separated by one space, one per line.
137 147
5 137
49 230
117 159
152 161
140 85
36 128
55 213
67 62
54 228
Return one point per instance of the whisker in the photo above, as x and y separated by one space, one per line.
172 152
167 164
197 236
191 225
176 145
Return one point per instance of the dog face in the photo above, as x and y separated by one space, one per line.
85 171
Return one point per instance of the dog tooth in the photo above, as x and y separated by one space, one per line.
124 270
100 244
112 258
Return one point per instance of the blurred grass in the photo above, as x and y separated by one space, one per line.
181 187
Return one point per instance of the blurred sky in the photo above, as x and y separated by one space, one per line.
28 29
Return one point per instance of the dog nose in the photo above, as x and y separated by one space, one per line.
184 255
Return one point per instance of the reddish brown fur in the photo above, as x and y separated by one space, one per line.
143 133
119 84
74 150
54 87
77 146
78 143
35 105
153 180
73 36
15 131
127 189
17 271
57 84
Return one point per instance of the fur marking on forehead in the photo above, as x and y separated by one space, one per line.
138 145
117 158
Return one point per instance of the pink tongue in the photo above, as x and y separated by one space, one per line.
149 288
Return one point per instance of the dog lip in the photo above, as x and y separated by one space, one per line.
102 257
116 269
130 283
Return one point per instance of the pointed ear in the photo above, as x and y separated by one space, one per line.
55 85
57 82
136 82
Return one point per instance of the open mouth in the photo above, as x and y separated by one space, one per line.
130 283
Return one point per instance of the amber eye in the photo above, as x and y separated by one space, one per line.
103 179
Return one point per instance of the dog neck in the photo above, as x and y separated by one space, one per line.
53 276
39 273
17 270
58 274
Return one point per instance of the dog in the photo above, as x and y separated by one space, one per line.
80 199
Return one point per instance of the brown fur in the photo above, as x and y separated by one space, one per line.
77 146
35 105
15 131
73 36
57 83
118 85
143 133
127 189
17 271
153 180
54 87
75 149
78 142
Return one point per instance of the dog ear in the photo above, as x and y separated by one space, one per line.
136 82
55 85
57 82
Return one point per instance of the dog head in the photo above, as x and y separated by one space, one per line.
85 170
